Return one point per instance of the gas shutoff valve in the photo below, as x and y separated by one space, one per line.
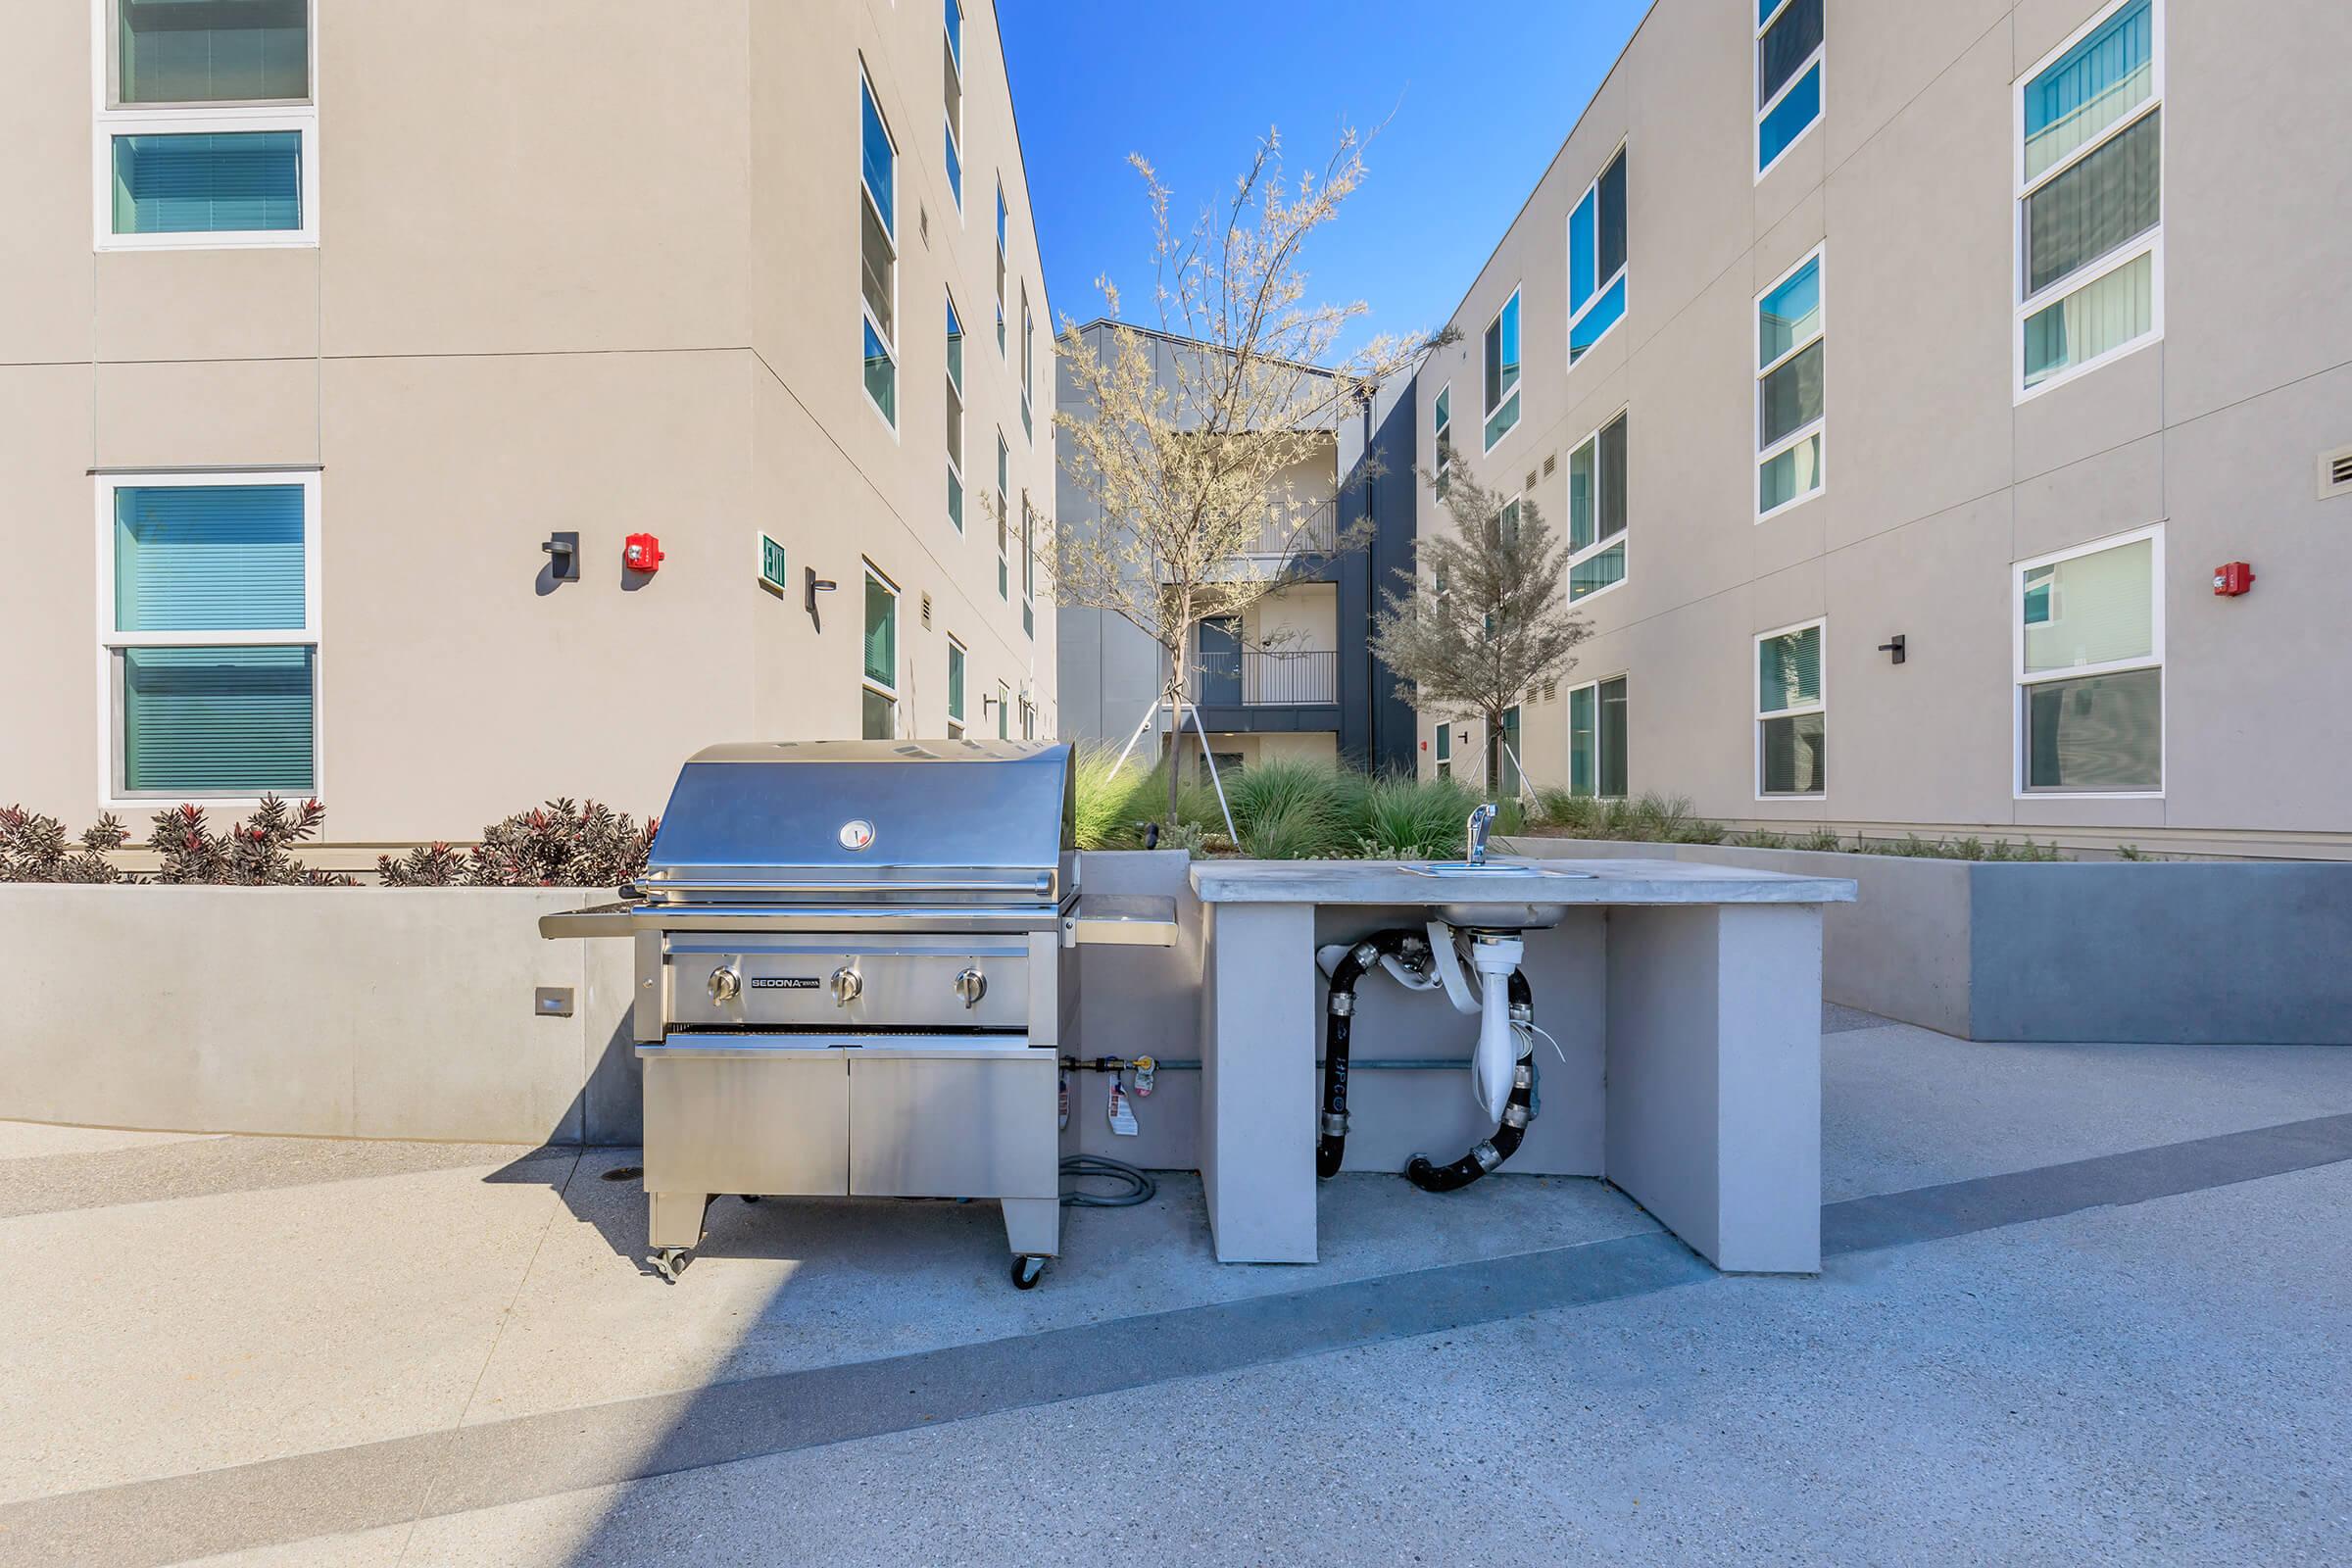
1146 1070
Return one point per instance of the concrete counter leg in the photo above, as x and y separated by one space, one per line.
1714 1078
1258 1082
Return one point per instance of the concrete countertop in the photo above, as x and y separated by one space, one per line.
1600 882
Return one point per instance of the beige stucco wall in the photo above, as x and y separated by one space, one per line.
527 311
1937 480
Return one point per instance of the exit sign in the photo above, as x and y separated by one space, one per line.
771 563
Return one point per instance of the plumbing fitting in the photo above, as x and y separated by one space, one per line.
1387 948
1517 1110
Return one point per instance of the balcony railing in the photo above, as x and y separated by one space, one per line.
1267 677
1311 536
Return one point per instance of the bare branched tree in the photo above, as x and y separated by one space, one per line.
1196 460
1482 624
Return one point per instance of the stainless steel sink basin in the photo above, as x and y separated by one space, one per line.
1501 916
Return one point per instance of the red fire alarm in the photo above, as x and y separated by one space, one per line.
641 552
2232 580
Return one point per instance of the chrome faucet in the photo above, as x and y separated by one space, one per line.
1474 849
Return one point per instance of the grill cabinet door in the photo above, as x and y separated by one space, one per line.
966 1120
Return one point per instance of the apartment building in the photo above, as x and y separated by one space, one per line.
1293 676
436 407
1948 406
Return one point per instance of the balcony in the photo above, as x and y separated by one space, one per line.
1268 677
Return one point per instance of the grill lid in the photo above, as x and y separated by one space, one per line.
867 821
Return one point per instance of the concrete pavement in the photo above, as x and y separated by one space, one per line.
284 1352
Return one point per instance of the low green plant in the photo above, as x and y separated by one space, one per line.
1413 819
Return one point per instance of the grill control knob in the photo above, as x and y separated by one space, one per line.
971 986
847 986
725 984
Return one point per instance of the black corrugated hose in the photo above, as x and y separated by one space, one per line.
1338 1007
1517 1112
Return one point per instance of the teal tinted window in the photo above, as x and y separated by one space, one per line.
201 721
1788 671
209 557
2101 732
1788 119
212 51
881 633
1597 321
876 157
2096 83
216 182
1612 737
1580 280
1789 314
955 682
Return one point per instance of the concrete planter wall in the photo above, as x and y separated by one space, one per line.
2169 952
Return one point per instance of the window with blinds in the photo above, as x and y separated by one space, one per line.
1501 365
1596 739
1789 67
955 663
954 415
879 697
878 252
1597 259
1791 712
208 133
2091 189
1790 357
952 70
212 648
2091 668
1597 511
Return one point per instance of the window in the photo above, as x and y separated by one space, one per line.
210 653
1028 365
1444 751
2089 198
1788 60
1441 436
1790 323
1596 739
880 700
878 252
1028 566
207 129
1004 519
2091 668
1000 268
1597 511
1596 261
1028 719
954 72
1004 712
1502 372
956 662
1791 716
954 415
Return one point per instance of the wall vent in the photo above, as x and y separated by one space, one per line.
1531 480
2335 472
926 612
1551 462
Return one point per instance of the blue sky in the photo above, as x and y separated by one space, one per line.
1478 95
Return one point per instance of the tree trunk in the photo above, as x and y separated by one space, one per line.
1495 757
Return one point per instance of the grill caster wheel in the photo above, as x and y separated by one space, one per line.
1027 1271
668 1262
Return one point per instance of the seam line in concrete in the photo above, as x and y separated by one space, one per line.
302 1496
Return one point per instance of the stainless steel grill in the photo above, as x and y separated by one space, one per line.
856 975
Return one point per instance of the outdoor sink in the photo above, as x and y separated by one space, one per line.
1493 916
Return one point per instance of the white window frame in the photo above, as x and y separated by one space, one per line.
1028 566
2150 244
1487 415
112 640
1001 212
1004 519
148 120
1568 710
1004 712
1624 536
1028 365
1441 750
1821 706
1755 74
2022 682
867 682
1803 433
1601 288
898 257
954 120
1441 432
964 414
957 648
